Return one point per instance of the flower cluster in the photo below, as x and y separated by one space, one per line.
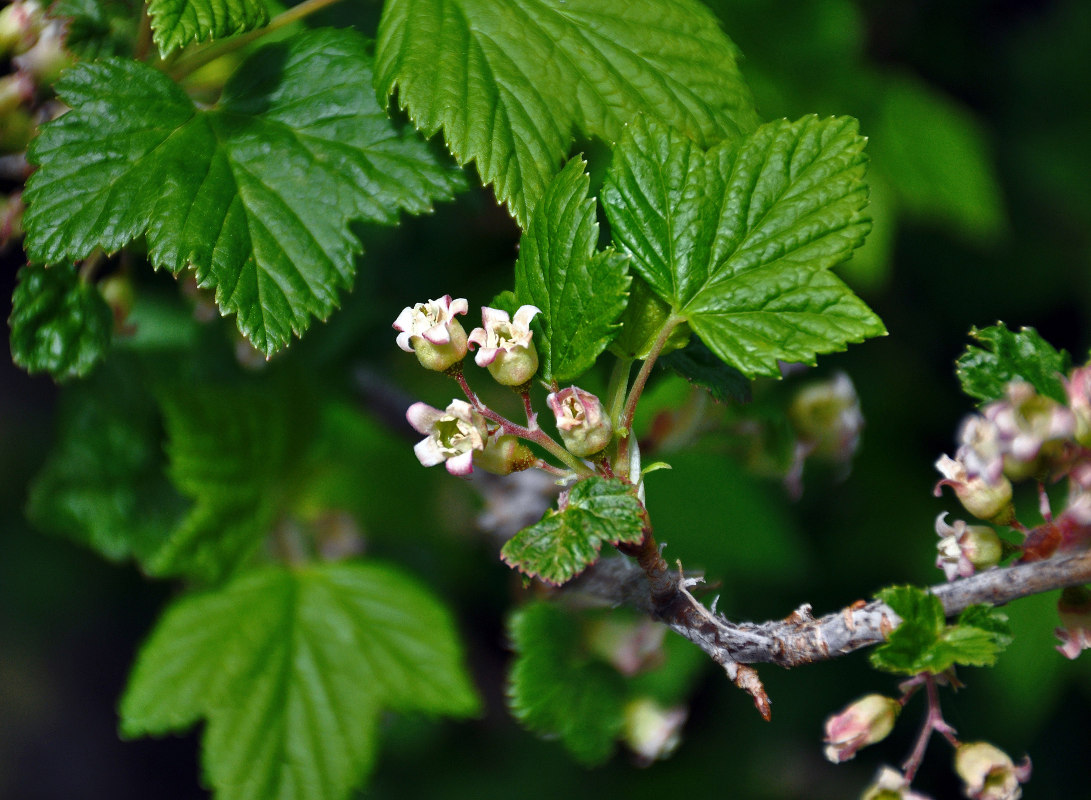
1023 436
468 433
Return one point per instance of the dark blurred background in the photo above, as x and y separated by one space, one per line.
979 118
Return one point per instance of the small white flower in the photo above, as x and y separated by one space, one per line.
964 548
431 331
505 345
452 435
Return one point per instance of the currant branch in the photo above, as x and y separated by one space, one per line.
801 638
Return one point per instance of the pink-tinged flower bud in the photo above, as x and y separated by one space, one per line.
431 331
47 58
827 418
585 428
1026 422
20 24
964 548
988 773
890 784
980 449
504 455
866 721
988 501
1078 389
506 347
1074 608
652 731
452 435
16 90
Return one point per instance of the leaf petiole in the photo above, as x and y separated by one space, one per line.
188 64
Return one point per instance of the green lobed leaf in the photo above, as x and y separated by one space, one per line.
256 193
291 669
925 643
59 323
739 240
509 81
232 449
580 291
556 688
566 542
1005 356
104 483
176 23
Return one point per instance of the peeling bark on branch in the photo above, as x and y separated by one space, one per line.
801 638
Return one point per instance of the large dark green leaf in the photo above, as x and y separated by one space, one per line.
739 240
510 81
256 194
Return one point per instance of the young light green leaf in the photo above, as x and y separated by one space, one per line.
566 542
104 484
556 688
925 643
59 323
509 81
581 292
176 23
739 240
1005 356
291 668
256 193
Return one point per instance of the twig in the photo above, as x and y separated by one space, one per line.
800 638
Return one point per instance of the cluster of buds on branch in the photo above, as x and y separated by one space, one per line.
1023 437
987 773
468 433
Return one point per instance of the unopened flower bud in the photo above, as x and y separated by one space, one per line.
890 784
826 415
985 500
1078 389
988 773
431 332
652 731
505 345
45 60
585 428
20 24
452 435
504 455
964 548
866 721
1074 608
